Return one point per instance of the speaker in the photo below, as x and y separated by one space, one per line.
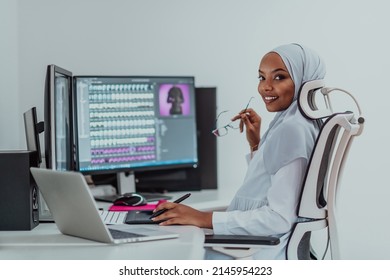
206 108
18 191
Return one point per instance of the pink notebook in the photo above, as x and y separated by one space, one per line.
149 206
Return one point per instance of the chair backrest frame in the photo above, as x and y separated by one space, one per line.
324 172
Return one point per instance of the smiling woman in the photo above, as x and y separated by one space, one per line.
267 200
276 86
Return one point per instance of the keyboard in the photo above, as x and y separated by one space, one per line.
113 217
126 217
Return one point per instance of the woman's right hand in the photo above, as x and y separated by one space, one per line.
180 214
252 123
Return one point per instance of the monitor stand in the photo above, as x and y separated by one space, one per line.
126 184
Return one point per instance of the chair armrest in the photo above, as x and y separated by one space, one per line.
239 240
239 246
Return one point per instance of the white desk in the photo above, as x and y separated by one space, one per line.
45 242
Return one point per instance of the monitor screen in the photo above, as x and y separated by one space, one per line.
134 123
32 130
58 119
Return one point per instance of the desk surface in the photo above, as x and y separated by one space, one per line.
45 242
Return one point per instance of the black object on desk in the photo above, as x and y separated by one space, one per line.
136 217
131 199
19 208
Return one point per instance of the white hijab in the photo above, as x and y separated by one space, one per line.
290 135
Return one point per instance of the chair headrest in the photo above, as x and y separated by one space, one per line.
307 101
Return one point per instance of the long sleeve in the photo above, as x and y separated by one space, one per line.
264 210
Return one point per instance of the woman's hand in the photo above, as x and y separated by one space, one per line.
180 214
252 122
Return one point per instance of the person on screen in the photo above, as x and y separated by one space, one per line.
175 97
267 201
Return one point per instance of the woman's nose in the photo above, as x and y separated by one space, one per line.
265 86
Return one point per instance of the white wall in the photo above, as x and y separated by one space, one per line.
220 42
9 90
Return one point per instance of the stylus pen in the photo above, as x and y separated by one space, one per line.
159 212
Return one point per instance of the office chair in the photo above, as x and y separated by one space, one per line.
321 185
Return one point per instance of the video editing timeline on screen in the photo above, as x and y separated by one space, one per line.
121 125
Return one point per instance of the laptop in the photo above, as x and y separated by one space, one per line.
75 212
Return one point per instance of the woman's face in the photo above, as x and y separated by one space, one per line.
275 84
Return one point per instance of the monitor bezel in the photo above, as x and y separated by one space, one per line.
50 117
132 169
31 128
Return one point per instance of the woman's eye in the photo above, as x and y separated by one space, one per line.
279 77
261 78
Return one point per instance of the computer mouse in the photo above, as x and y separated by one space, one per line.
130 199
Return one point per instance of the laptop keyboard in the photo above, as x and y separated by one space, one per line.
113 217
119 234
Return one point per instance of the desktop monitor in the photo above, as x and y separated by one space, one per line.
58 119
128 123
32 130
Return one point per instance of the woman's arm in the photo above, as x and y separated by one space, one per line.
277 216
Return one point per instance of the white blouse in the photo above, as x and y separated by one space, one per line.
264 205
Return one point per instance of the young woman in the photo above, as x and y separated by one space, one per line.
267 201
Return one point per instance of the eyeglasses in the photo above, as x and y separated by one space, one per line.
223 130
